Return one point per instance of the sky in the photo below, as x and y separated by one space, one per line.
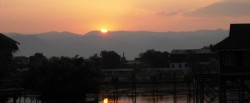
82 16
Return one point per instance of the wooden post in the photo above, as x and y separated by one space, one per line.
189 90
133 87
222 90
175 88
116 87
202 92
241 90
157 87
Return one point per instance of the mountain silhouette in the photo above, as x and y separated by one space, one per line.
130 42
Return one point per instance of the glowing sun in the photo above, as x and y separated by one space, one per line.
104 30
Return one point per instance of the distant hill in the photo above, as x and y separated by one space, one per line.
130 42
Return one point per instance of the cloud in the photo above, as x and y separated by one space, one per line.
164 13
227 8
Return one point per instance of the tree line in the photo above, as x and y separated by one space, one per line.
69 79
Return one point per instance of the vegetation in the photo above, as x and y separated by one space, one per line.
62 78
69 80
154 59
110 59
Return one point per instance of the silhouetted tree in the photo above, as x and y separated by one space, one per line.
95 60
155 59
37 59
64 78
110 59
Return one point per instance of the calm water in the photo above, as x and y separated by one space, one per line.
123 99
149 99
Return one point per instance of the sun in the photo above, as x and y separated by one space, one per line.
104 30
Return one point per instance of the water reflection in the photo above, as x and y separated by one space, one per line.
149 99
122 99
105 100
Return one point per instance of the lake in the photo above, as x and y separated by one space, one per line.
149 99
121 99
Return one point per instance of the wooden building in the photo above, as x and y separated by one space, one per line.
234 51
7 85
234 74
7 47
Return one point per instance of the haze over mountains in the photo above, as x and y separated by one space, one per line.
130 42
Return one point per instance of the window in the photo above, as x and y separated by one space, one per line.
180 65
229 59
172 65
246 59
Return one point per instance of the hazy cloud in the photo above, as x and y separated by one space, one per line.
225 8
164 13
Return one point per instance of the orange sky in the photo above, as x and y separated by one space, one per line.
81 16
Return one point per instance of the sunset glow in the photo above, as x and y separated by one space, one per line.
82 16
104 30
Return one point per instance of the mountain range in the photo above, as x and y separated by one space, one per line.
131 43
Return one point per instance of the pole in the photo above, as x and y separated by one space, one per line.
175 83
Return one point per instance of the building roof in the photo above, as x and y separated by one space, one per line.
178 58
7 43
190 51
181 58
239 38
184 55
